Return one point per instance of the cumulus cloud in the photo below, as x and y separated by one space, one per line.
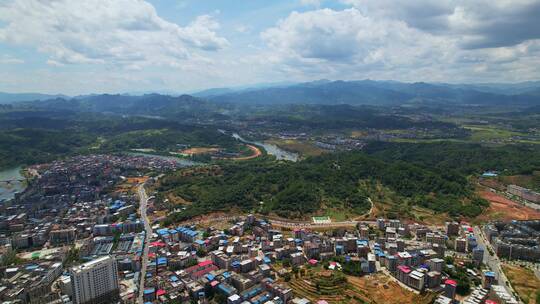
478 24
362 42
120 32
348 37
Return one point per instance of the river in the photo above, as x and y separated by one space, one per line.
279 153
7 191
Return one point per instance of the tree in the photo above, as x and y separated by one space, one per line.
10 258
286 262
200 252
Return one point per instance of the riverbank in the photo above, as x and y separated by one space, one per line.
12 181
303 148
271 149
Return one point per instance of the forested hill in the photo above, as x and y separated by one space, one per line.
335 181
465 158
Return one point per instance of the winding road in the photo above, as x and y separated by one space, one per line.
148 233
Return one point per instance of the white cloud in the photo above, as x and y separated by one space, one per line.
352 44
348 37
120 32
477 24
8 59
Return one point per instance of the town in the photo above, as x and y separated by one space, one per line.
85 231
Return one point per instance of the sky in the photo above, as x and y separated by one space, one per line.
117 46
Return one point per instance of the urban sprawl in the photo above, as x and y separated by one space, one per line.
85 231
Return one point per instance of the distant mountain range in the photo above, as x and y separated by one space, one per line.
362 92
149 104
384 93
6 98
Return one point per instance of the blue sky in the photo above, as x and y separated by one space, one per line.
115 46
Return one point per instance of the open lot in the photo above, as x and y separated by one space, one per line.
200 150
334 287
501 208
524 282
256 152
304 148
380 288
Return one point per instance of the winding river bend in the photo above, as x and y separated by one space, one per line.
8 190
279 153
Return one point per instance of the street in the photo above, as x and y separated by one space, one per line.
493 261
148 233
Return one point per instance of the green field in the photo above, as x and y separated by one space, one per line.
493 133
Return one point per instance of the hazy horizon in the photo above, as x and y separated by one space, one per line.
77 47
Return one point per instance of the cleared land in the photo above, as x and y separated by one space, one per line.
379 289
200 150
304 148
256 153
524 282
494 133
130 184
501 208
334 287
527 181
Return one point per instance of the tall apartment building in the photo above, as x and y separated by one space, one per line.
452 228
95 282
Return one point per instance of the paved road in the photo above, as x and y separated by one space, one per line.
280 222
148 229
493 261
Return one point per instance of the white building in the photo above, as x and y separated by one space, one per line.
95 281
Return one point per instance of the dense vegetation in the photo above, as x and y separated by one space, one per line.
25 146
30 137
298 189
460 157
325 118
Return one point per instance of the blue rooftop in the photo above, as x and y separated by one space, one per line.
162 231
224 288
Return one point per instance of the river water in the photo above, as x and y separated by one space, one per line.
270 149
7 191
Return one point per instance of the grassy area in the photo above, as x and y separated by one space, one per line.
337 215
304 148
487 132
332 286
316 284
491 133
527 181
524 282
429 216
379 289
